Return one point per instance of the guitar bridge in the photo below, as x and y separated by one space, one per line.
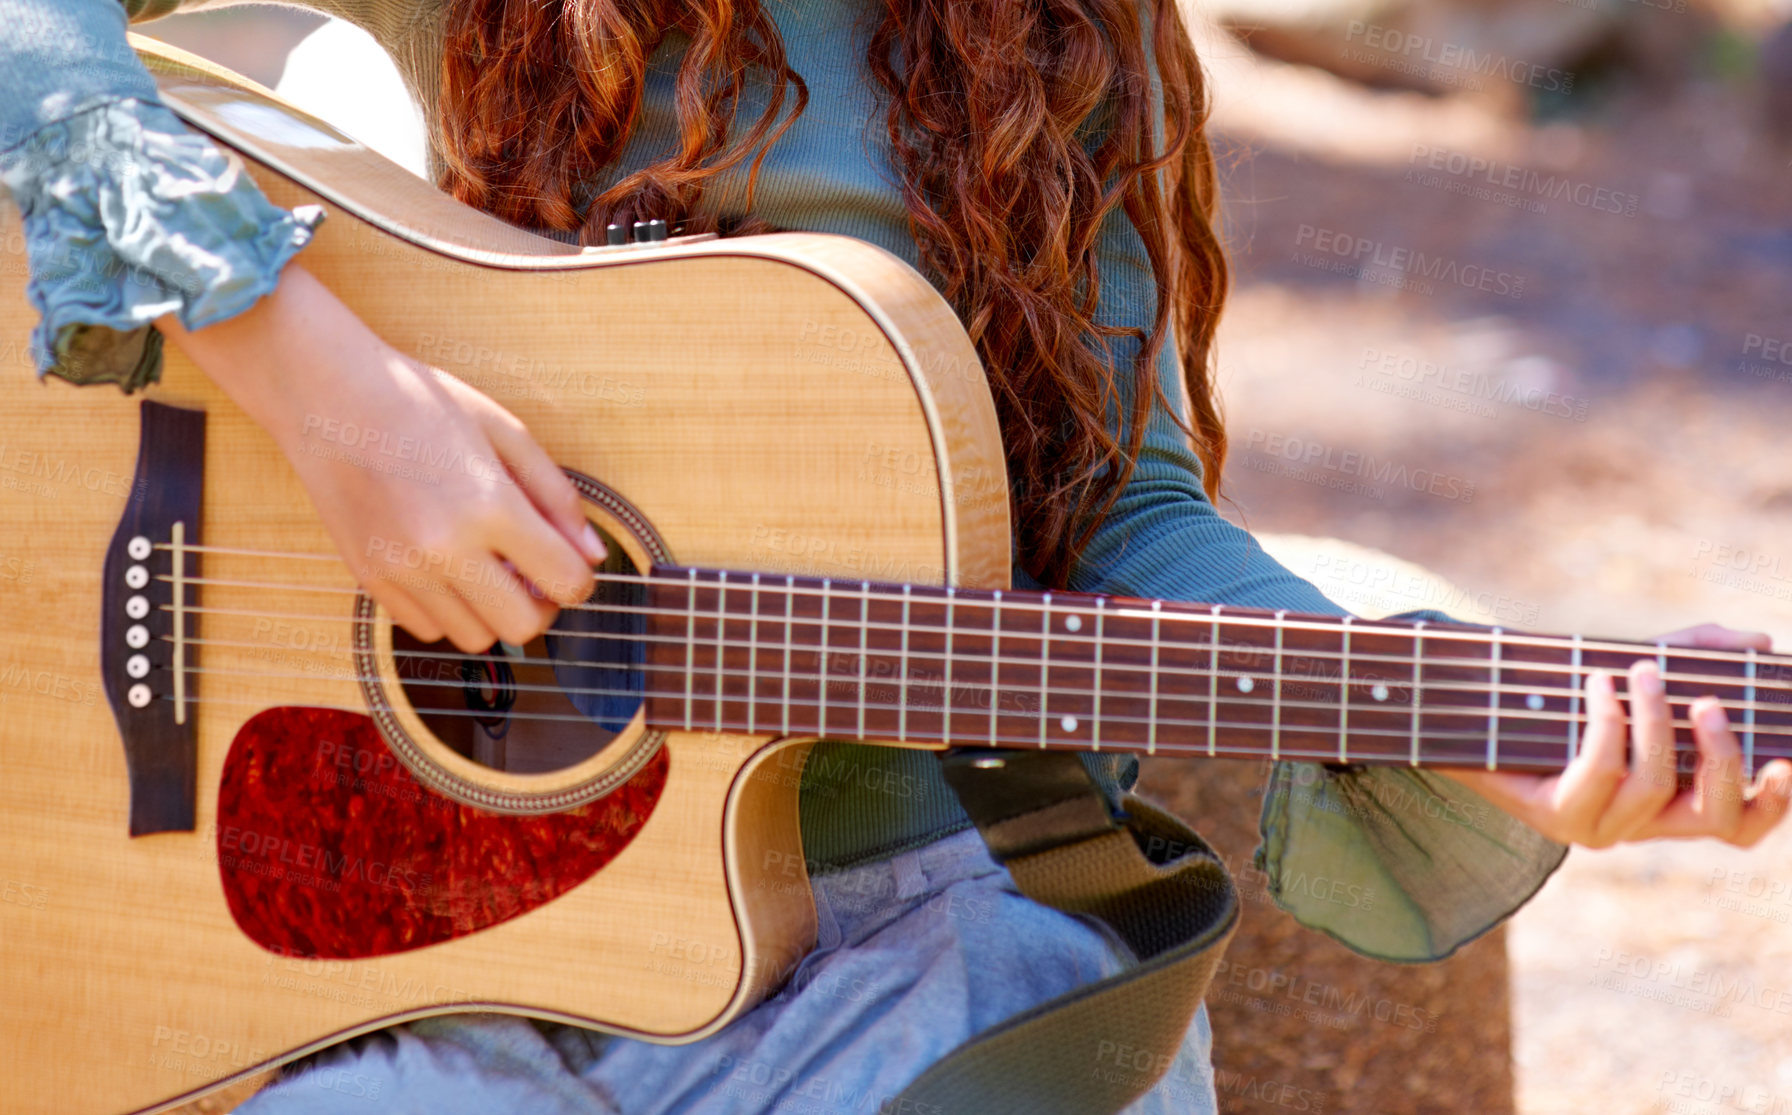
149 588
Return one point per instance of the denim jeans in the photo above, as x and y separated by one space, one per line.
916 953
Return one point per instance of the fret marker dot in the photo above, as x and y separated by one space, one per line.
1245 685
1380 692
1073 623
1068 723
1534 702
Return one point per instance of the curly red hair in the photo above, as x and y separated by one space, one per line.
1017 127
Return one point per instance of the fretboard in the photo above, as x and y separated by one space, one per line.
858 660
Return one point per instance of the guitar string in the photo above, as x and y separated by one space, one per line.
1506 639
1029 740
1510 666
1046 691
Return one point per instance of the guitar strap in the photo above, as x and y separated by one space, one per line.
1143 873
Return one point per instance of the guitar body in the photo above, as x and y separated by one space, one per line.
788 403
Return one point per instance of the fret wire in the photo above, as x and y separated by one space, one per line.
1045 665
721 637
1417 657
1493 707
1344 694
864 647
902 673
995 662
1574 704
690 652
1213 678
789 637
753 653
827 661
1748 734
1157 609
946 703
1095 716
1275 712
1661 661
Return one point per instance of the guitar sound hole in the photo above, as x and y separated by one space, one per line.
558 702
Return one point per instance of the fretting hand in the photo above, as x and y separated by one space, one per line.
1603 798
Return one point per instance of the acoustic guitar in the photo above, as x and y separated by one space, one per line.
245 816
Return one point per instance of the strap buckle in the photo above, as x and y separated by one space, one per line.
1027 802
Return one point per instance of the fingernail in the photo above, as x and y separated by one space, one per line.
1712 718
1647 680
594 546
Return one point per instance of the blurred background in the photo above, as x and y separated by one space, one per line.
1513 303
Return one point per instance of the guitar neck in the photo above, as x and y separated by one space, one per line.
863 660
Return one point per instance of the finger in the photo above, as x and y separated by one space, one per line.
540 555
1717 787
1650 785
544 482
1588 784
1765 808
459 623
405 611
1715 636
1769 801
503 603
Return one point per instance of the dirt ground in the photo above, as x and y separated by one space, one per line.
1613 438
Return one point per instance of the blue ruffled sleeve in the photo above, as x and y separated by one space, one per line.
127 214
1396 863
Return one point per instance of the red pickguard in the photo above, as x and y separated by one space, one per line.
328 847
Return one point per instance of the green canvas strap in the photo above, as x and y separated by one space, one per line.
1148 877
